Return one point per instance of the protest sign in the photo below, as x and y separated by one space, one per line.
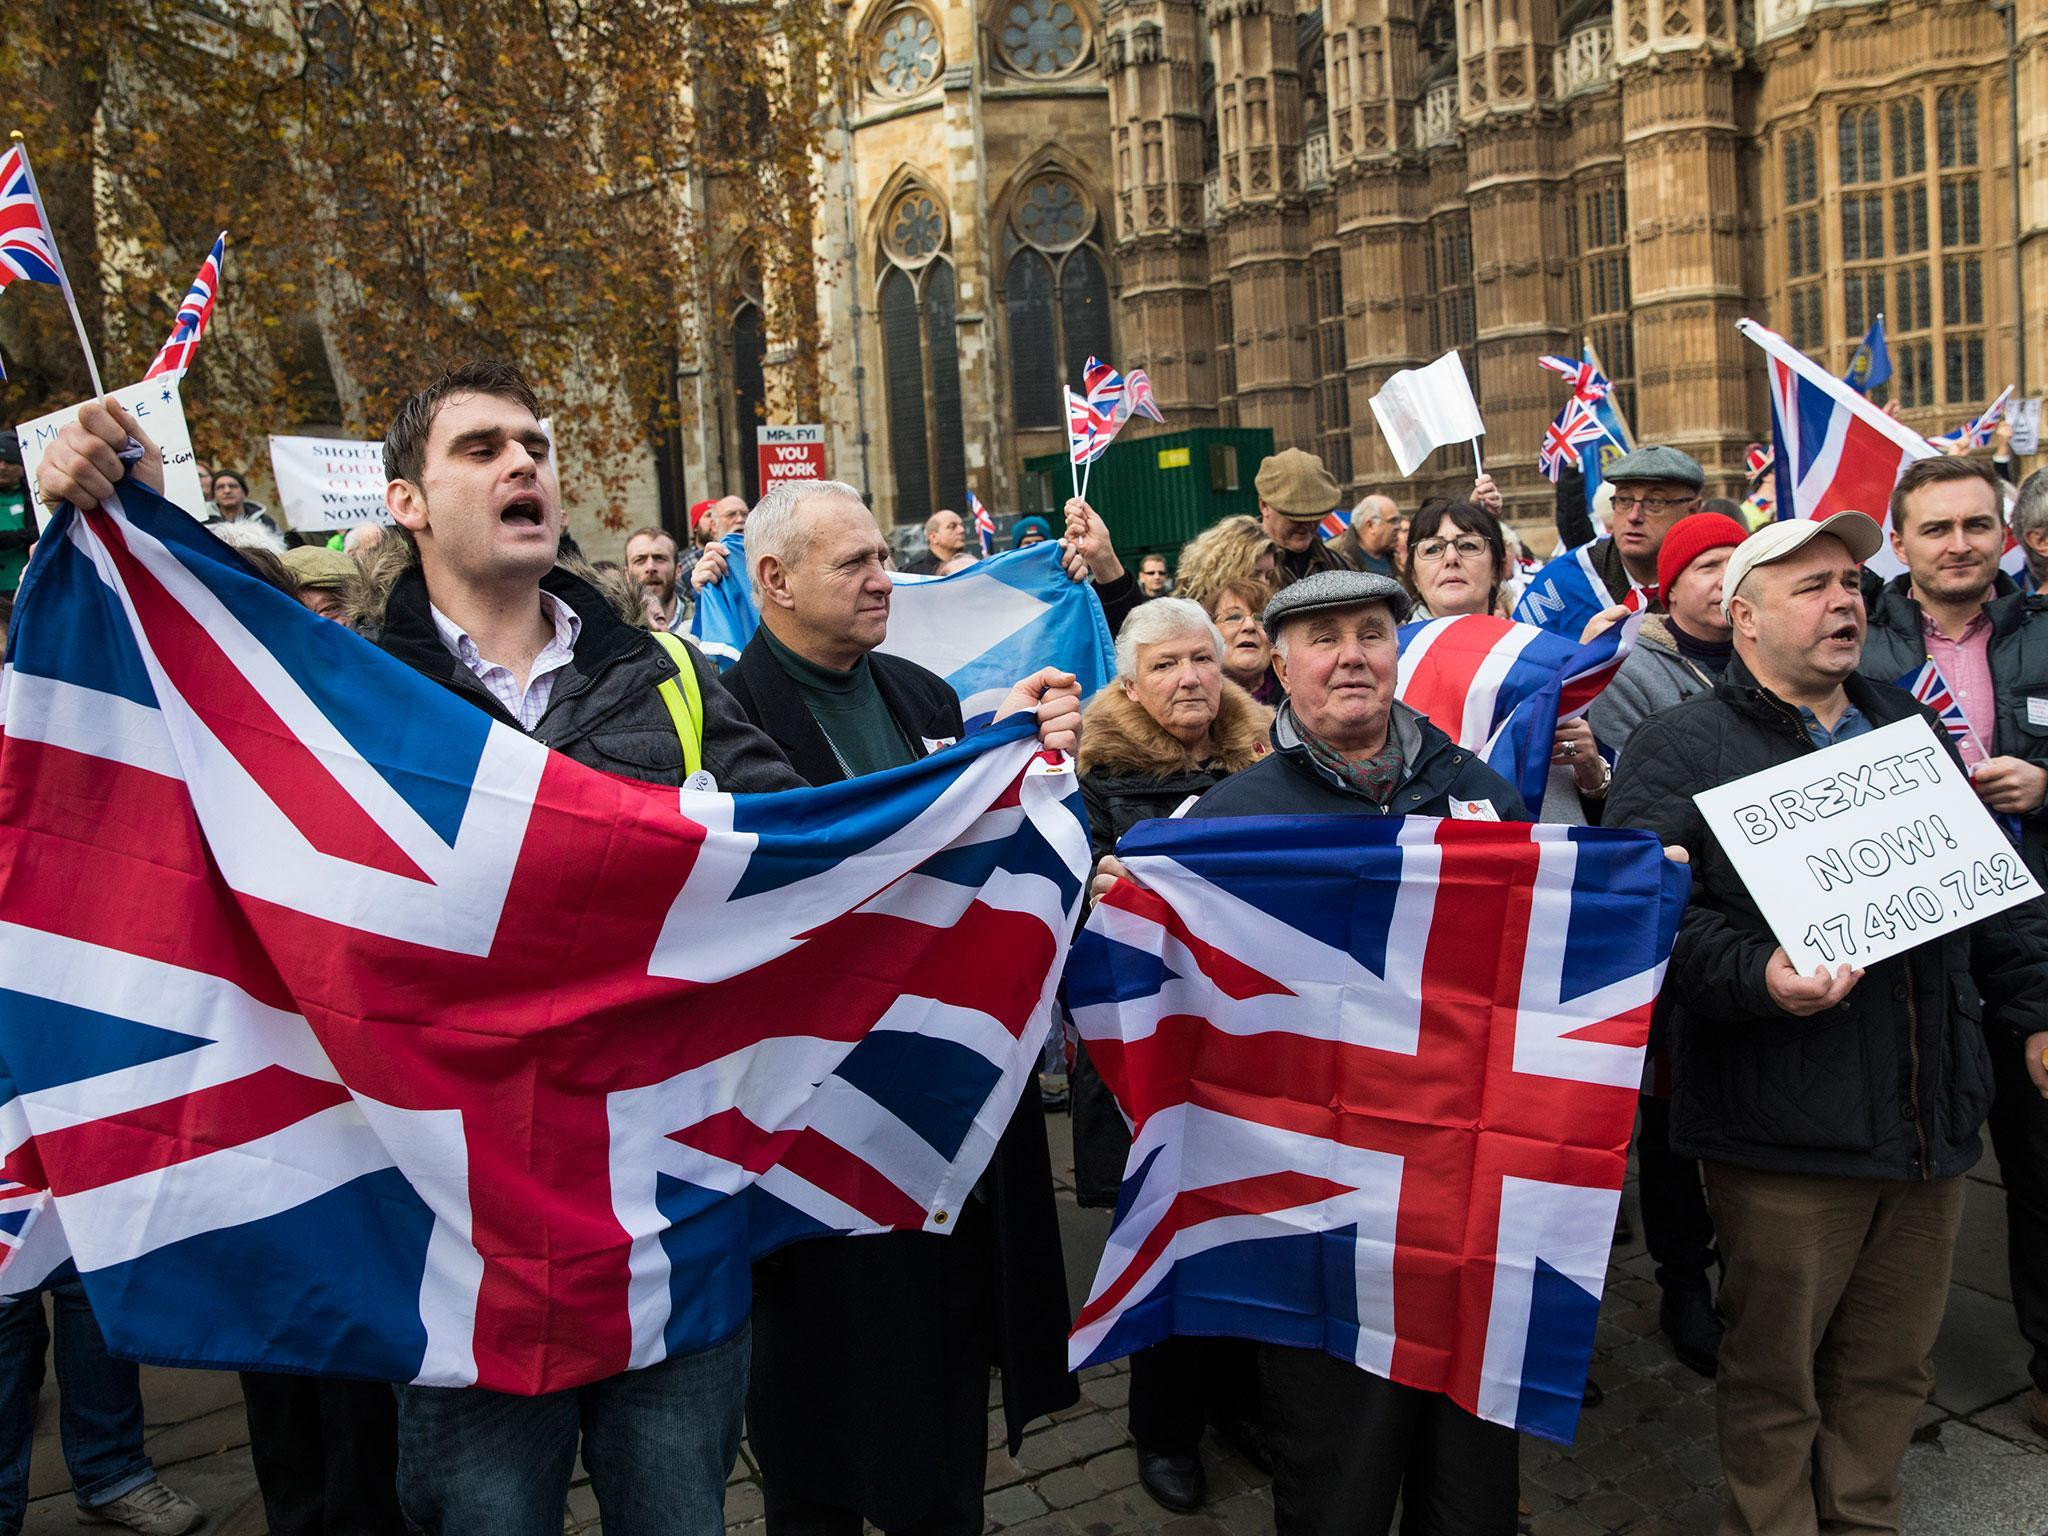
155 405
1866 848
329 482
2025 416
790 453
1422 409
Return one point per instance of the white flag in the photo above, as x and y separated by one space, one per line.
1421 409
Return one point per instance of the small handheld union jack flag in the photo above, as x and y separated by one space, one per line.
1089 430
984 525
1976 433
175 355
27 249
1927 685
1104 387
1138 396
1587 382
1575 424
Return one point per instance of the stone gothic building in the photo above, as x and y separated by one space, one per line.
1274 204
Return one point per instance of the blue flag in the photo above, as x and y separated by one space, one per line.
726 617
1871 363
981 629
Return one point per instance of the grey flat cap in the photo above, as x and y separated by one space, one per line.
1336 589
1654 461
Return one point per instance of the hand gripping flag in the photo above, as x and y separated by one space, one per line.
1834 450
175 356
356 1033
1381 1075
27 249
1499 688
982 629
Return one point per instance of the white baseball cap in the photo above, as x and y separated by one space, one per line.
1774 541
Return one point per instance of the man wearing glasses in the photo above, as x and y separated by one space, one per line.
1653 488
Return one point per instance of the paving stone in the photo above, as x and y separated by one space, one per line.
1093 1434
1002 1471
1106 1515
1610 1509
1979 1358
1564 1522
1193 1525
743 1502
1245 1514
1067 1487
1114 1469
1975 1482
1701 1513
2010 1420
1108 1391
1013 1506
1043 1450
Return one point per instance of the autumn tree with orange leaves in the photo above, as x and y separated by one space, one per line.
410 182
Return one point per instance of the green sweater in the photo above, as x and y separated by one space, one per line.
849 709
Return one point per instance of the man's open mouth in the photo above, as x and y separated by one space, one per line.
523 510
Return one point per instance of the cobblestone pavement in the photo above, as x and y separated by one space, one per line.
1644 1464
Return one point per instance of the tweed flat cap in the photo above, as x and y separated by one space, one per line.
1336 589
1296 485
314 565
1654 461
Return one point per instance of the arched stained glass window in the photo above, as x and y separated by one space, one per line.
903 366
921 359
1056 295
1041 38
750 391
908 55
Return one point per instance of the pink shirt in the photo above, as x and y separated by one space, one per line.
526 704
1966 668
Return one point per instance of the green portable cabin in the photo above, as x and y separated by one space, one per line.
1157 492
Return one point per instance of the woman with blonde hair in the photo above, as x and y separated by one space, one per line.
1235 549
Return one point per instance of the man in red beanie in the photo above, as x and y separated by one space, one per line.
1678 653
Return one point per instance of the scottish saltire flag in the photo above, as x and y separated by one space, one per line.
1871 363
1584 376
982 629
1926 684
27 248
1567 592
1089 430
985 628
1138 399
355 1032
1976 432
175 356
1499 688
725 617
984 525
1381 1075
1833 450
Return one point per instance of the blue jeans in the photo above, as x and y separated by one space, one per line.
658 1444
99 1403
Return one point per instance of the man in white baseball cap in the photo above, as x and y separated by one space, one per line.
1834 1114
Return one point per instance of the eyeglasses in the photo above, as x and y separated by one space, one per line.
1653 506
1432 550
1235 616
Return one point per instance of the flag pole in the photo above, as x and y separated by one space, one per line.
92 365
1478 467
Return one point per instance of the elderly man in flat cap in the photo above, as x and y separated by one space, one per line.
1345 1444
1654 487
1295 494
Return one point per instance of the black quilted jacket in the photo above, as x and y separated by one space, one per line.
1893 1082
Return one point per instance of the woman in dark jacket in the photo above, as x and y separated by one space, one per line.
1169 728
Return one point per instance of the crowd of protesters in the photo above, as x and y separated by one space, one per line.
1801 1140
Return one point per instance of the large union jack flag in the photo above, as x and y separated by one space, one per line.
1833 451
1499 688
1381 1076
27 249
356 1033
175 355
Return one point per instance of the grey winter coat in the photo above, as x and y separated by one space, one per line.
1654 677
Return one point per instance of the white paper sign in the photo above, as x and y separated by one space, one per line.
329 482
1866 848
1422 409
155 405
2025 416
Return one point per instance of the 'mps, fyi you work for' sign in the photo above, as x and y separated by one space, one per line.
1866 848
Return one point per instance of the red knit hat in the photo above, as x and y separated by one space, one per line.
1691 537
